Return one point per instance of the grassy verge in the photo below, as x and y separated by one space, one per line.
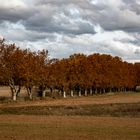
115 110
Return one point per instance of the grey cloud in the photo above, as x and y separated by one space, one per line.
56 20
15 14
137 51
39 16
133 5
19 33
69 26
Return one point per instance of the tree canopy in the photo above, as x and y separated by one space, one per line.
96 73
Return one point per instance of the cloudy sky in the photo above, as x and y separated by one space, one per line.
65 27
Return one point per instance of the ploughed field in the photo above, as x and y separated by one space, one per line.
99 117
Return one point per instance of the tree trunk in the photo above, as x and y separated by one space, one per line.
85 92
79 93
96 90
110 90
124 89
15 89
119 90
51 90
64 94
14 97
30 96
100 91
29 91
71 92
60 92
44 93
91 91
103 90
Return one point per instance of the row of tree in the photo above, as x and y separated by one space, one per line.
79 73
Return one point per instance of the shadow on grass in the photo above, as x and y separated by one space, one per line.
115 110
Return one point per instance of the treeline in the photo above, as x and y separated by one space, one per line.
79 74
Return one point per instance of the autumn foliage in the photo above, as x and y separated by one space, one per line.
78 74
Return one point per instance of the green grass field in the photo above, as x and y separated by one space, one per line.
104 117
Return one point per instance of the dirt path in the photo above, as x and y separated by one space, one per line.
99 99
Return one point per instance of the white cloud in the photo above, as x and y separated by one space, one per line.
98 29
116 43
12 3
138 2
94 2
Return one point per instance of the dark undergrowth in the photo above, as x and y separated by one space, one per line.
114 110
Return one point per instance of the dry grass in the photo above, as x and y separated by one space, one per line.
68 128
62 125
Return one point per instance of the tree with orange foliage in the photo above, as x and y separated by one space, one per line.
34 70
11 59
137 70
41 71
